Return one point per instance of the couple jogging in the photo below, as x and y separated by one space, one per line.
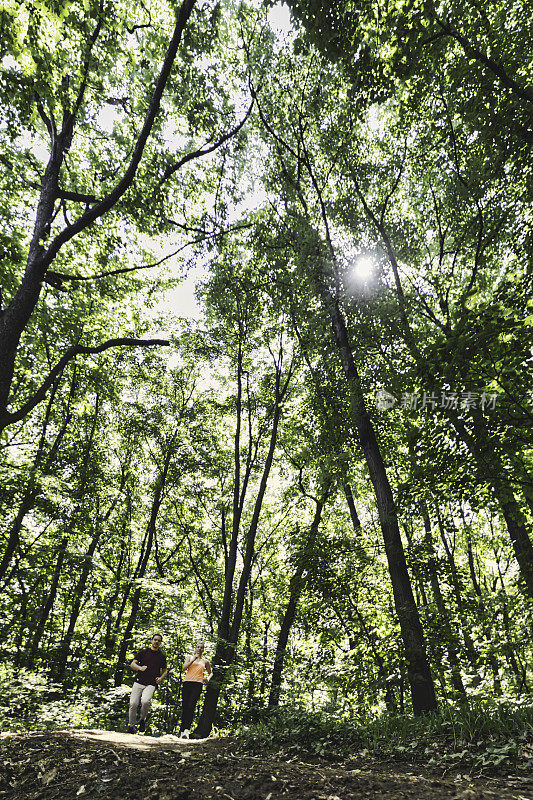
150 664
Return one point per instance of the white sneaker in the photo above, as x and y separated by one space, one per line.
185 734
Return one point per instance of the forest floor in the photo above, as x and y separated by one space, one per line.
83 764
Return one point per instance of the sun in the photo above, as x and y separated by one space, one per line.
363 268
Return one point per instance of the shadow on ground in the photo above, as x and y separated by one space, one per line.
83 764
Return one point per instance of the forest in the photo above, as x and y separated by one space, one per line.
266 346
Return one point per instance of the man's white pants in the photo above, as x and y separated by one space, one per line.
143 694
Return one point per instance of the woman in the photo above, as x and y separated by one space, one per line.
191 689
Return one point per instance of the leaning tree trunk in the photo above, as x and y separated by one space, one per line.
296 587
419 674
33 488
484 448
482 444
31 654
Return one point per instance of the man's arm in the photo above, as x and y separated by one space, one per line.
136 666
163 675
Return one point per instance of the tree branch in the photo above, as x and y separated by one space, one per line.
204 151
490 63
48 121
125 182
69 118
56 279
63 194
6 418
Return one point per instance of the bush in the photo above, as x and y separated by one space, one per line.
478 733
33 703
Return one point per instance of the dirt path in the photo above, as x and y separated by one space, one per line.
78 765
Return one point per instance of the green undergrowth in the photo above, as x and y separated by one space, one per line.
485 736
35 703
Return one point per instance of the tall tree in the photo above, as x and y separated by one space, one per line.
62 85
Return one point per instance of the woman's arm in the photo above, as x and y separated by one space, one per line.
188 661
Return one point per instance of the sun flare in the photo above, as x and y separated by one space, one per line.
363 268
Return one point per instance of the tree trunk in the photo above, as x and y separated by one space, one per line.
113 626
23 620
32 489
228 634
470 649
79 589
77 597
145 556
372 638
31 655
482 445
42 252
484 448
420 589
296 587
351 505
451 643
264 657
419 674
249 666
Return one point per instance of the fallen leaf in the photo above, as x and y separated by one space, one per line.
81 790
49 776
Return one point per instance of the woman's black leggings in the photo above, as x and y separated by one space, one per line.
190 692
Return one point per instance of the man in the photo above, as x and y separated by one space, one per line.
148 664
